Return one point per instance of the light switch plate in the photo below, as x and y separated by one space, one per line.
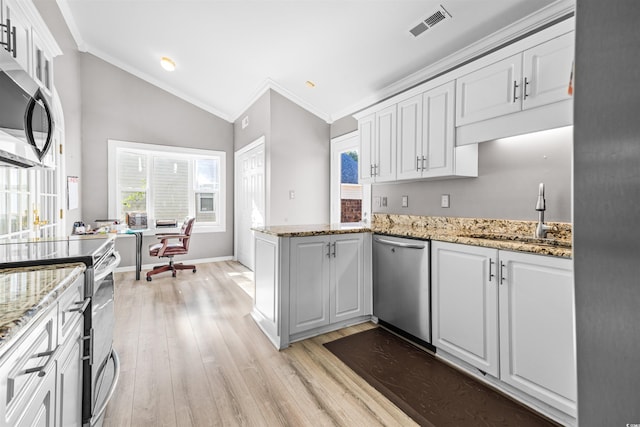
405 201
292 194
444 201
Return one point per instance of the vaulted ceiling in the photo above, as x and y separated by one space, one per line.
228 52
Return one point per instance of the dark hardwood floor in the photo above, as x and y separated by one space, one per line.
191 355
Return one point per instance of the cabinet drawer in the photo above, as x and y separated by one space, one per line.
24 367
70 308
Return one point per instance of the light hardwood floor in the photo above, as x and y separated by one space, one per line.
191 355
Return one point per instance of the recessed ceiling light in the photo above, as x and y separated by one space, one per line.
310 84
167 63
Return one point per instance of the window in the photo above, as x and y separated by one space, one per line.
167 183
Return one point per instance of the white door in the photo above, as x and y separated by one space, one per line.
346 185
250 199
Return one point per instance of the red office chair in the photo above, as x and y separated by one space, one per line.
169 250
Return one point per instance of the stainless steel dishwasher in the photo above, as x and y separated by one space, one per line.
401 293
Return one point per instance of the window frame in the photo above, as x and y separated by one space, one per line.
114 146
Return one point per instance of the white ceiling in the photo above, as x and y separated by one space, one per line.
229 52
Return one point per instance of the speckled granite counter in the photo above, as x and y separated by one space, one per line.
312 230
492 233
505 234
26 292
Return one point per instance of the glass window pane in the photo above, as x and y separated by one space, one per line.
350 190
207 179
170 183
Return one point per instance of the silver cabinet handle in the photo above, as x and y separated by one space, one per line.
418 163
515 87
491 275
328 250
526 84
334 249
424 159
42 370
89 337
82 308
502 279
371 170
400 244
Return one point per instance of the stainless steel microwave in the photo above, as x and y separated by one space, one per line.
26 122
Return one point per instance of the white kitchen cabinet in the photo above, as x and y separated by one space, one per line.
509 314
537 328
489 92
41 408
378 146
327 280
69 379
42 63
547 69
538 76
426 137
311 285
465 303
21 40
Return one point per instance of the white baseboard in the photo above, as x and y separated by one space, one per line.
191 261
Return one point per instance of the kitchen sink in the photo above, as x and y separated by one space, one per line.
521 238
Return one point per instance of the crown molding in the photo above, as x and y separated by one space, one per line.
63 5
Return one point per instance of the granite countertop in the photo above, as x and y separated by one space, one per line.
513 235
312 229
503 234
26 292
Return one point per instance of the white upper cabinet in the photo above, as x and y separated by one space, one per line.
378 146
489 92
19 39
547 70
426 134
538 76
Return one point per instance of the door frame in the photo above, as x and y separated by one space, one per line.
339 144
236 187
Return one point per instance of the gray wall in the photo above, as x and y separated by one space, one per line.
67 83
118 105
607 208
297 152
509 172
342 126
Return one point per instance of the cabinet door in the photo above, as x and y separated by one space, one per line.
309 283
489 92
410 154
537 328
465 298
41 409
347 277
547 69
366 130
438 130
22 35
385 165
69 384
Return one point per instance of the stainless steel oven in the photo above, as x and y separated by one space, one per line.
101 366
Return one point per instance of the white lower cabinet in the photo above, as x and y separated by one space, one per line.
465 303
537 328
310 285
41 373
327 280
509 314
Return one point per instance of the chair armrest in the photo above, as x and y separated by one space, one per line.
171 236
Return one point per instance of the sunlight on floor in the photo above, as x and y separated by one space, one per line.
245 281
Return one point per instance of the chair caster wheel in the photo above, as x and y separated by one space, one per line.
148 278
173 274
194 270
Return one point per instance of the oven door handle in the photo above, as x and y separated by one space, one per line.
116 375
110 268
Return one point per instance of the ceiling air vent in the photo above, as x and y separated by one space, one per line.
439 16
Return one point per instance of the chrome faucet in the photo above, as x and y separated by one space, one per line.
541 228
